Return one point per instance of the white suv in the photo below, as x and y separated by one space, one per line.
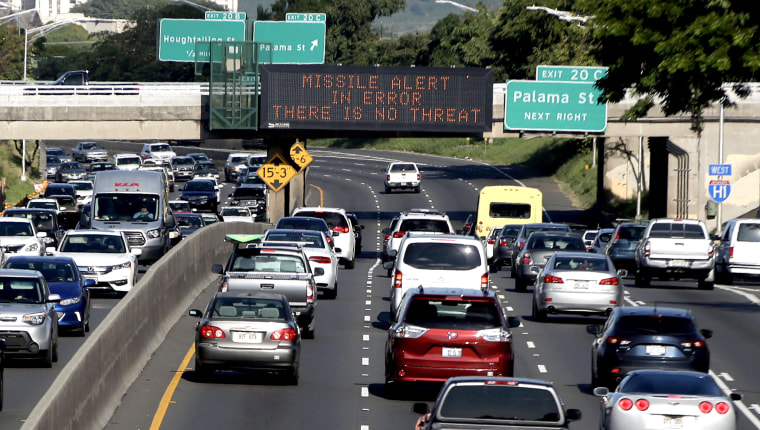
160 152
19 236
434 260
416 220
402 175
342 231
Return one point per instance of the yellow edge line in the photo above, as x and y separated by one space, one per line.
167 397
321 195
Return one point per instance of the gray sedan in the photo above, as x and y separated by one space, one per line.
247 331
667 399
577 282
538 248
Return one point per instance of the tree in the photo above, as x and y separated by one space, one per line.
11 53
462 40
674 51
115 9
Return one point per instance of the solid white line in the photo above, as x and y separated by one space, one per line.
751 297
739 405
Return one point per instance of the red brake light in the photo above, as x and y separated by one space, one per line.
731 252
503 242
609 281
320 260
625 404
647 248
693 344
722 408
399 234
211 332
642 404
286 334
484 281
549 279
397 279
387 177
491 241
387 236
526 258
341 229
418 176
705 407
520 244
613 340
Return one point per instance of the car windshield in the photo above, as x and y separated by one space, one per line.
21 290
52 271
257 160
101 244
205 167
249 262
454 314
37 204
238 159
15 229
665 382
402 167
442 256
248 308
56 151
655 324
308 240
90 145
189 222
180 206
183 161
82 186
125 207
499 402
43 221
199 186
53 160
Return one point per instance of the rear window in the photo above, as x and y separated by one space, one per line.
510 232
558 243
427 225
663 382
510 210
581 263
442 256
308 240
296 224
248 192
748 233
677 230
631 232
655 325
398 168
248 308
500 402
454 314
333 219
268 263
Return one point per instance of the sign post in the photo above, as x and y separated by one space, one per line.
292 42
276 172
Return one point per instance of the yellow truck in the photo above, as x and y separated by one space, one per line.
500 205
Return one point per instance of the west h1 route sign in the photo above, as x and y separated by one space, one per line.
554 106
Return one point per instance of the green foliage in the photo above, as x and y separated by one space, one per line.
10 168
679 51
124 9
11 53
462 40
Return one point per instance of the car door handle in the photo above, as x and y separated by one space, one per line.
267 286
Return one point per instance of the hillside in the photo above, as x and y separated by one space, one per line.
419 15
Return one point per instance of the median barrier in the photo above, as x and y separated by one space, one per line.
89 388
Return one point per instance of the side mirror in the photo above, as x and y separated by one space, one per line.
601 391
513 322
50 250
195 313
173 234
217 268
135 251
54 298
573 414
420 408
707 334
392 253
318 271
594 329
622 273
41 234
388 265
89 283
535 269
336 233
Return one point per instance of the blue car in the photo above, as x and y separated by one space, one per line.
63 278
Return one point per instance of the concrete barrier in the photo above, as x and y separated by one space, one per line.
89 388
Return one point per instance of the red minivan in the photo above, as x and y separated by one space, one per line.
446 332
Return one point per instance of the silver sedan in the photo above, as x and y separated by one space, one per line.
577 282
667 399
247 331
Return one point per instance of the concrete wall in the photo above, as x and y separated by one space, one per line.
87 391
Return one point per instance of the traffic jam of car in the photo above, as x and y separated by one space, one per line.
446 327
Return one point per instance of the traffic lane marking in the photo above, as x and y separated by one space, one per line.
166 399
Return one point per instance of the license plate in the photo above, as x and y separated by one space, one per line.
451 352
580 285
678 263
673 422
247 336
655 350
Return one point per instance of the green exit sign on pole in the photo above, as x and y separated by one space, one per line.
570 73
292 42
554 106
309 17
220 15
177 38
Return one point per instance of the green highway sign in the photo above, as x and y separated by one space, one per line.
177 38
570 73
220 15
309 17
554 106
292 42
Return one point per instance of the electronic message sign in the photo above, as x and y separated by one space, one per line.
399 99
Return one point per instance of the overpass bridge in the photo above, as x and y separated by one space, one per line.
668 150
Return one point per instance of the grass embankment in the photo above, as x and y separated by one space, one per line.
10 169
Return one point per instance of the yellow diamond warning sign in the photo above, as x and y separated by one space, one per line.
300 155
276 173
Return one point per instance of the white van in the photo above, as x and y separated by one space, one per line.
435 260
137 203
737 254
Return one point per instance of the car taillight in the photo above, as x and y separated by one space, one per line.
614 340
520 244
484 281
399 234
642 404
731 252
491 241
495 335
647 248
418 176
329 240
693 344
407 331
341 229
285 335
722 408
387 236
388 178
397 279
549 279
502 242
526 258
309 292
625 404
211 332
705 407
609 281
617 237
320 260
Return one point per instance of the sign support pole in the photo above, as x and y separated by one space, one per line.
719 215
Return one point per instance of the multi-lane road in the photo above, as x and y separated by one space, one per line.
341 385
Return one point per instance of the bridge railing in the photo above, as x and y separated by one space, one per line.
21 88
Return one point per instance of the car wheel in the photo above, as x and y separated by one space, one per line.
642 281
349 264
47 358
332 293
705 284
87 324
417 190
291 376
202 372
387 190
81 330
512 271
308 333
538 315
55 352
520 285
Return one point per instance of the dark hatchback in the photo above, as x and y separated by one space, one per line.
646 337
201 195
505 244
622 245
526 230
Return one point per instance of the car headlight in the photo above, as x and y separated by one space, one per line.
71 301
32 247
126 265
35 318
153 234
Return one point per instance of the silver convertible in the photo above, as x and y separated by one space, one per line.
577 282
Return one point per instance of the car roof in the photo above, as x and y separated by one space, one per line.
485 379
94 233
253 294
125 155
319 209
654 310
19 273
35 210
44 258
449 292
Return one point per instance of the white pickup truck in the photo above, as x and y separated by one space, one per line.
676 249
402 175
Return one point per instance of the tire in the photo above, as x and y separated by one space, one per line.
81 331
537 315
47 358
291 376
331 294
512 272
520 285
387 190
349 264
55 352
417 190
307 333
704 284
202 372
641 280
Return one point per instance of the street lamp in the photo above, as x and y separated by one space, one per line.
562 14
459 5
195 5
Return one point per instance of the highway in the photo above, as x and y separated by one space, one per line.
341 385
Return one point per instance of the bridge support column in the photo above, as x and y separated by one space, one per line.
290 196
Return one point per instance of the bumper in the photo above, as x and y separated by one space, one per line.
582 303
696 269
304 315
281 358
182 175
615 370
26 341
504 255
744 269
402 185
403 371
95 157
117 280
71 316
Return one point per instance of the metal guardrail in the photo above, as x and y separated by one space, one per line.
21 88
